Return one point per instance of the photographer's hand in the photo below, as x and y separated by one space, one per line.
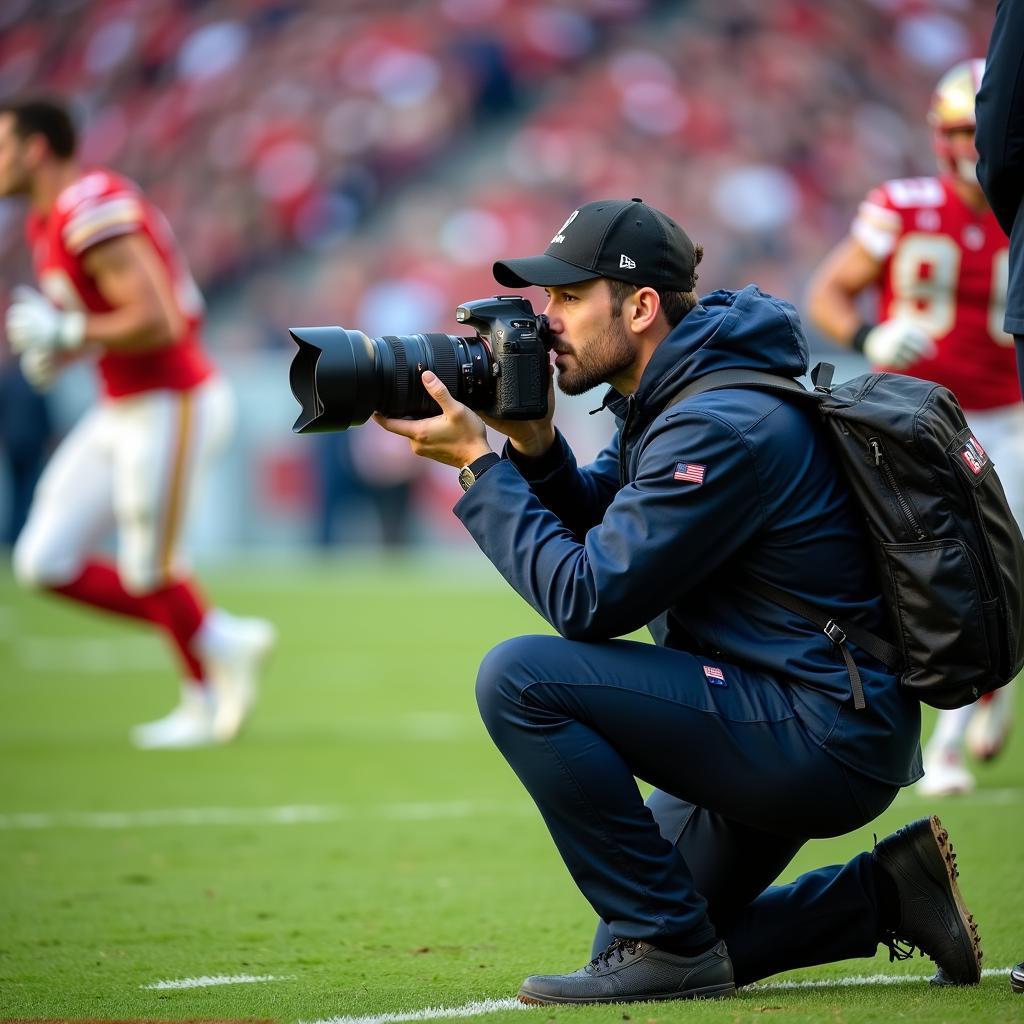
531 438
457 437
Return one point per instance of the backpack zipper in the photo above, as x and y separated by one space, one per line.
878 455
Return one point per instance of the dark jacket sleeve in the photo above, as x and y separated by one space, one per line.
578 497
659 537
1000 115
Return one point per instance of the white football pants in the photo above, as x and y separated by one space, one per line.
131 464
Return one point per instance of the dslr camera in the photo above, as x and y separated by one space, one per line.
340 377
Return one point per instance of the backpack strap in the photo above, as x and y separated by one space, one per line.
738 379
878 648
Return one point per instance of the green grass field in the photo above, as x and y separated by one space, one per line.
362 848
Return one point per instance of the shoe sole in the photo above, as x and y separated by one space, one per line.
985 748
988 752
945 790
260 656
948 858
1017 979
711 992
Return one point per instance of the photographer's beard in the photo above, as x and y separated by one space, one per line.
604 357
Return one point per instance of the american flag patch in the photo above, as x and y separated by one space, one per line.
715 676
689 472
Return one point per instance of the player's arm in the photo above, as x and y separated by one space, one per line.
831 297
832 307
129 274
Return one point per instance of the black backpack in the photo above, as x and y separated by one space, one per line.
949 554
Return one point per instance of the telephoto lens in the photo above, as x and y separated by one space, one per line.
341 377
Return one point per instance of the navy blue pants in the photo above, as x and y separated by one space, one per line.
740 788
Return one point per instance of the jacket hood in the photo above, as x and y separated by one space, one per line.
746 330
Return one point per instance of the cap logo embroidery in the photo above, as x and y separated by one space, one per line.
625 263
560 236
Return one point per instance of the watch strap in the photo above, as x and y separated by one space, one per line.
480 466
469 475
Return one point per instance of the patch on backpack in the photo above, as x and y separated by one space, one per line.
969 455
715 676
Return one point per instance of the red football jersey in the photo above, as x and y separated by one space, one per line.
98 206
944 266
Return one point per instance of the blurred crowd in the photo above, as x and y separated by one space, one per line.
341 161
406 144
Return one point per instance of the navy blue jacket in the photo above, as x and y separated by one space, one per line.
625 542
1000 140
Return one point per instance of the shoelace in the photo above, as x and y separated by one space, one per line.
899 949
615 949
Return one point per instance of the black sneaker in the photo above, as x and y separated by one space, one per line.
933 918
631 971
1017 979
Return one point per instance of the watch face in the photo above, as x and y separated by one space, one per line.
466 478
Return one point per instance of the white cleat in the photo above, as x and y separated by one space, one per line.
945 775
234 651
190 724
989 727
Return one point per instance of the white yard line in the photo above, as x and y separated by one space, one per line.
293 814
432 1012
304 814
216 979
1008 795
494 1005
856 980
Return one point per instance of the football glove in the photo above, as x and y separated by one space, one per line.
39 367
897 343
33 322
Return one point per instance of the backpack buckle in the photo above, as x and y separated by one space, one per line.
836 634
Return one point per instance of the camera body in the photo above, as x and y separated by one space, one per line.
519 341
340 377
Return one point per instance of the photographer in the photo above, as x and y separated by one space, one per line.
742 715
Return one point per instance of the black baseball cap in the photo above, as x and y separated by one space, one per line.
626 240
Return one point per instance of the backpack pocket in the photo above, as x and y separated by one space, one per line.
944 624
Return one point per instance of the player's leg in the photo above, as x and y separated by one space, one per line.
232 648
1001 431
155 443
71 512
982 727
165 444
945 771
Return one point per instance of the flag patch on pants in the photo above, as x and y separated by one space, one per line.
715 676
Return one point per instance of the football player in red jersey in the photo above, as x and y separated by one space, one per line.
114 287
937 257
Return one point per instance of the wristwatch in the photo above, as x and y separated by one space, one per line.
469 475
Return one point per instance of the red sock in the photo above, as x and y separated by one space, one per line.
177 608
180 608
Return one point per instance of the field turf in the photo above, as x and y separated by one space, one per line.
362 849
